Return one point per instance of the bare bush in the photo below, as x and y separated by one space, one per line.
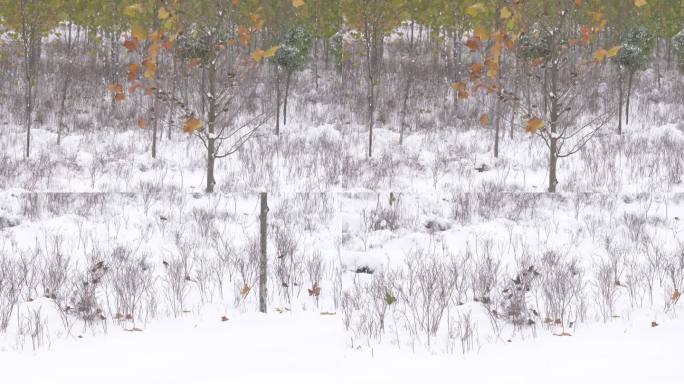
425 286
562 285
175 281
131 278
9 290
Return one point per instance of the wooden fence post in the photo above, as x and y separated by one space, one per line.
263 260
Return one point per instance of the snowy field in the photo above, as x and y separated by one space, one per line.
431 262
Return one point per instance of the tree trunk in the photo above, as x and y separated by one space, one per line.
66 72
114 62
30 41
497 126
657 62
211 126
553 164
620 100
155 122
629 95
553 123
263 259
371 112
372 59
287 93
404 107
277 126
407 88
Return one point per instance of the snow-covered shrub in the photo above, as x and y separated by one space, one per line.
56 268
486 271
608 279
175 281
513 306
462 206
562 286
85 298
131 278
10 290
425 285
490 199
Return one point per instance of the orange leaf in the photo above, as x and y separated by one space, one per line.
191 125
476 71
473 44
586 34
639 3
157 36
119 97
463 95
484 119
533 125
297 3
116 88
131 44
243 34
258 55
133 70
142 123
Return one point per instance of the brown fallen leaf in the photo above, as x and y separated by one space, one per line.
224 318
328 313
654 324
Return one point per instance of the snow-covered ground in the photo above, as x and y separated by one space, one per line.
309 348
126 267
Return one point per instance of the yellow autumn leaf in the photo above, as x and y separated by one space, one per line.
271 51
482 33
476 9
138 32
613 51
533 125
458 87
163 14
133 10
505 13
297 3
